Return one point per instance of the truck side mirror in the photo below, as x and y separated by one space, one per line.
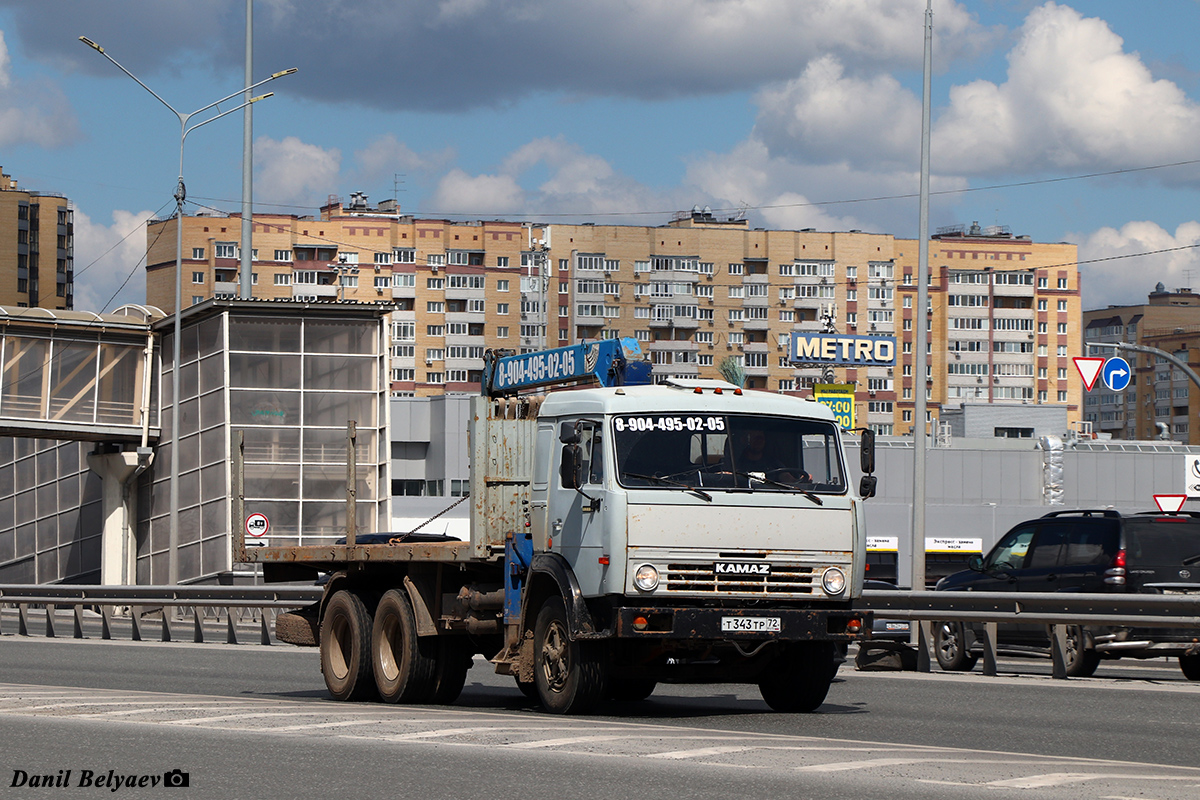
866 487
867 453
975 563
568 433
571 470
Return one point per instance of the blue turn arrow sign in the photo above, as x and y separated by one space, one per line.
1116 373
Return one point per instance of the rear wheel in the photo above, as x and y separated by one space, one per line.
346 648
570 675
798 680
1081 660
405 664
950 647
1190 664
454 658
631 689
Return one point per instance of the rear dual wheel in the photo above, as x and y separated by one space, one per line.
346 648
405 664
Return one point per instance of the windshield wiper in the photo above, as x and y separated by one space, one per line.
1187 562
761 478
685 486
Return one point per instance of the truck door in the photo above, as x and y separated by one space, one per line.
576 517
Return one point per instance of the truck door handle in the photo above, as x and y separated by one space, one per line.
1051 577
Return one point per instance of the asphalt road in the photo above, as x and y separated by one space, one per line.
251 721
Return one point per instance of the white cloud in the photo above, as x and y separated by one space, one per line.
32 112
110 260
1128 280
460 193
826 115
5 64
387 156
1074 99
292 172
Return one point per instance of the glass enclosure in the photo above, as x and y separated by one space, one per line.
288 384
731 452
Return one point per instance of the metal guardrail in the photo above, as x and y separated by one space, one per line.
140 600
1056 610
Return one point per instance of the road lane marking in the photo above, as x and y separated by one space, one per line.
559 742
703 751
845 766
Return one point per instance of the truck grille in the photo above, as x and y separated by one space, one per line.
702 579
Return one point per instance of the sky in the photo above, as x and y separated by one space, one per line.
1066 122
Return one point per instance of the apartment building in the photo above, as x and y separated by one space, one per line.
695 292
37 245
1160 400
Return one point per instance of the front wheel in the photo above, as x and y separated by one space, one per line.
1190 664
798 680
346 648
950 647
570 675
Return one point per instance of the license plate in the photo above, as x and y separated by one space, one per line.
750 624
897 626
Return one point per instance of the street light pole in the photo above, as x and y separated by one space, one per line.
180 196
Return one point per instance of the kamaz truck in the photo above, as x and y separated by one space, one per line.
622 535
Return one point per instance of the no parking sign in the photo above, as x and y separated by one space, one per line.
257 526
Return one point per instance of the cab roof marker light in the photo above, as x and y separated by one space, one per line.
698 390
737 391
718 390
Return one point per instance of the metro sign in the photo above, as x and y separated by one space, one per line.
1089 369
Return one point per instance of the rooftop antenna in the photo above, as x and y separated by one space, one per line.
397 180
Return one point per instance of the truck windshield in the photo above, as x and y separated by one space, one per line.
727 452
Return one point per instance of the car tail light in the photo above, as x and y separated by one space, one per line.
1115 574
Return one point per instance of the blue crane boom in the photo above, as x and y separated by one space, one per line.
608 362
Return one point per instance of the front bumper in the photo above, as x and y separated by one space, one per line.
665 622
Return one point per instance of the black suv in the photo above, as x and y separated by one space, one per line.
1083 551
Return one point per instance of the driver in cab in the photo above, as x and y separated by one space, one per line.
756 456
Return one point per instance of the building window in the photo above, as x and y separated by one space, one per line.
502 332
1062 397
435 307
502 285
736 269
404 255
197 277
198 253
502 308
283 255
226 250
197 299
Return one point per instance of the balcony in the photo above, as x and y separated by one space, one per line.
226 288
315 290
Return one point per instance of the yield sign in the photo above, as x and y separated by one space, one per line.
1170 503
1089 370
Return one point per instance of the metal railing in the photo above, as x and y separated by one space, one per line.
1056 610
174 604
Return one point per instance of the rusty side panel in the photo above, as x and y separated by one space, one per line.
502 434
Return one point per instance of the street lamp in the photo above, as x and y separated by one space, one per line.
180 195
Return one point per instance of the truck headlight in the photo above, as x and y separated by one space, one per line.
833 581
646 578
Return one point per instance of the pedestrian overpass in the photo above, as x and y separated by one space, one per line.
77 375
